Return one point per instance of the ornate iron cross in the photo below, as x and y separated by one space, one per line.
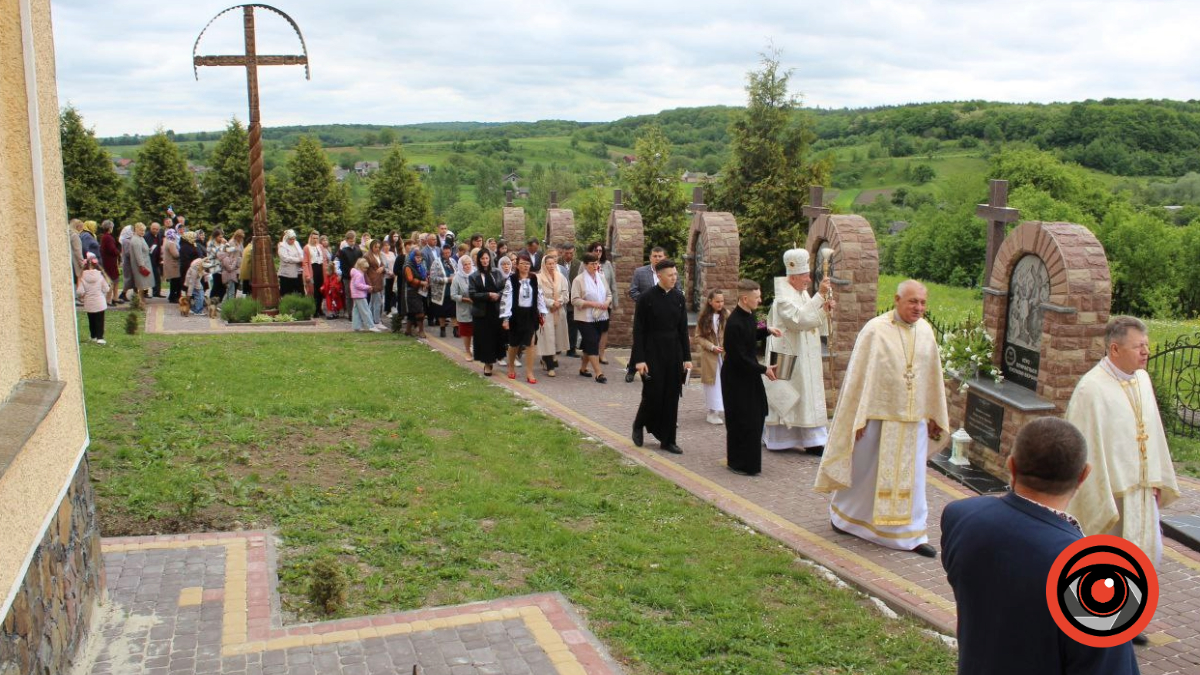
265 281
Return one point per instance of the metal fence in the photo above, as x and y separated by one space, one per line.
1175 370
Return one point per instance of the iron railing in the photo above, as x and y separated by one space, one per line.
1174 369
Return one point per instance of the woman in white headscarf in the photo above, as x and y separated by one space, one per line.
460 293
291 259
552 335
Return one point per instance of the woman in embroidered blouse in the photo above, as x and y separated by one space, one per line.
389 275
416 289
314 269
522 311
441 273
591 298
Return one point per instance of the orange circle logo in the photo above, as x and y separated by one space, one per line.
1102 591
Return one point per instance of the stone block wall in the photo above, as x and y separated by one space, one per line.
514 227
626 241
560 228
717 236
49 618
855 288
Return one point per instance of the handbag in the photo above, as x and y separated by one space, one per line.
143 271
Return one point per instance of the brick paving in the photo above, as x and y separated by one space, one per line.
781 503
205 603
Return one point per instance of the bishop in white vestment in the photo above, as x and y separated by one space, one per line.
890 416
796 412
1132 476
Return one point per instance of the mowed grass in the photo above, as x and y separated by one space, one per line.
430 486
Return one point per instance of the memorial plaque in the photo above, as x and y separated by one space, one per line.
984 421
1029 288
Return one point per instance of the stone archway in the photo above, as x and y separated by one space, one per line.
854 271
626 238
713 256
1074 314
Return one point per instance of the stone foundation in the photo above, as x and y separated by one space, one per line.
49 617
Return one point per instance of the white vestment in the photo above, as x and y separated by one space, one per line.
1129 457
893 388
796 413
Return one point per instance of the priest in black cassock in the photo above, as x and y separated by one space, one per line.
661 353
742 387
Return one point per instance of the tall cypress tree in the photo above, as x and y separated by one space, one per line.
310 197
654 192
226 187
161 178
94 190
397 200
765 182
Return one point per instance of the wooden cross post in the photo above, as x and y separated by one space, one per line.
697 205
264 280
998 214
816 204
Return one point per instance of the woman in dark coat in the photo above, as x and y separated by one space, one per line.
485 287
742 387
110 257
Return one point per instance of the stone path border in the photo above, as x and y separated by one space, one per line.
206 603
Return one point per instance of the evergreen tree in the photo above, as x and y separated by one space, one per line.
161 179
489 184
226 188
310 197
765 182
444 181
397 200
94 190
652 190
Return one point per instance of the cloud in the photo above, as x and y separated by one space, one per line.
126 64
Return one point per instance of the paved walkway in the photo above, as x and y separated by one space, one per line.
780 502
205 603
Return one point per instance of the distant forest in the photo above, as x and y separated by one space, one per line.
1116 136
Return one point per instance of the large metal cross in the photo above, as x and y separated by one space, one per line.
264 280
998 214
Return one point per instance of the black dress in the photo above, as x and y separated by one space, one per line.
523 323
743 392
485 314
660 340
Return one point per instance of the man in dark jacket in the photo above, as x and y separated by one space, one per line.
998 552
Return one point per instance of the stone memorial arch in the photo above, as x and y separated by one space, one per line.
560 224
513 229
626 239
713 253
1046 306
847 243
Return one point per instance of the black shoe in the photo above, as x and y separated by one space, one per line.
601 379
1141 640
817 450
837 529
672 448
926 550
637 435
629 376
572 354
740 472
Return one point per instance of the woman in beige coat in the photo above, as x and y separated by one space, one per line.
552 336
710 336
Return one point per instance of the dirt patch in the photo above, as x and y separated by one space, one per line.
869 196
439 433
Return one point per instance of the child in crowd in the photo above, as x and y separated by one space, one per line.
710 336
194 283
332 293
360 288
93 290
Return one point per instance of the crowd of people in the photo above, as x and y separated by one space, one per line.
1105 469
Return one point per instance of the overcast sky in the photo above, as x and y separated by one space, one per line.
126 64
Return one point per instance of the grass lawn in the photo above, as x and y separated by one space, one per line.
431 486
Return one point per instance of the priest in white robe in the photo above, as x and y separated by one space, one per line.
890 416
796 412
1132 475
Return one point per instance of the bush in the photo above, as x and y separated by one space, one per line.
136 304
327 587
131 323
301 307
240 310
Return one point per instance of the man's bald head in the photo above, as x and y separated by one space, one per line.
910 300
